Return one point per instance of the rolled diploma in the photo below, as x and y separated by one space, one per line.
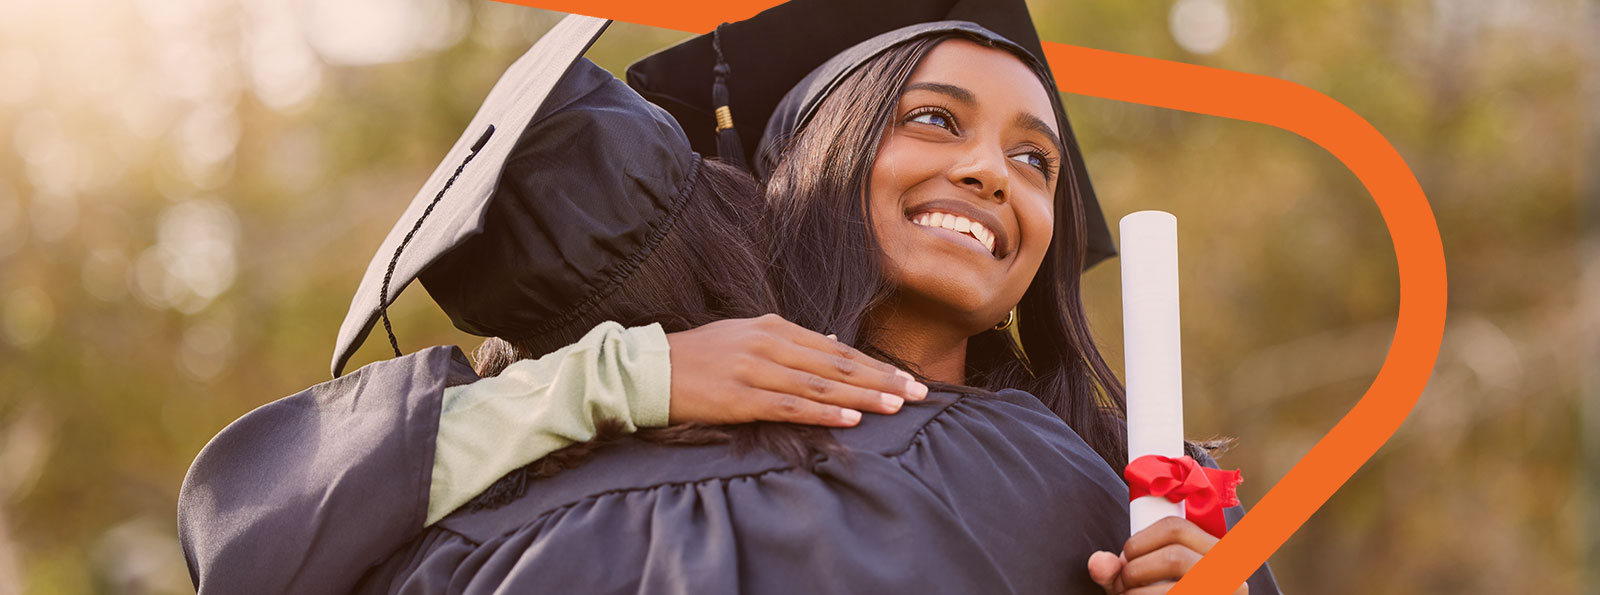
1151 343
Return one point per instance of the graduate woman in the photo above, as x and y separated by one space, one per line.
924 185
932 173
923 130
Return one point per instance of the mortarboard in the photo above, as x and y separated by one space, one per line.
563 182
771 70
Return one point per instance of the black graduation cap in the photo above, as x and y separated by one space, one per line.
767 73
562 183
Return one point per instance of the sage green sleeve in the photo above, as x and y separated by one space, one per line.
495 425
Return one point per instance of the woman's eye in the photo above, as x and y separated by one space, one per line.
1034 160
934 119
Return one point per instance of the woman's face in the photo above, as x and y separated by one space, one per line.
962 192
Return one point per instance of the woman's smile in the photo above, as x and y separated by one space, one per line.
959 221
963 228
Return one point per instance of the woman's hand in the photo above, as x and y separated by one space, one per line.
770 369
1153 559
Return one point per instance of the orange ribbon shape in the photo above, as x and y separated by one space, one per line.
1419 254
1203 491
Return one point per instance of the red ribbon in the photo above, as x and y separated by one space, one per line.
1203 494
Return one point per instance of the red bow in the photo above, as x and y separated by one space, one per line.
1203 494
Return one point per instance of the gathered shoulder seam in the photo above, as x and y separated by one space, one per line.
916 436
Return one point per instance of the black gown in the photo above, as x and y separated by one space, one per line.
957 494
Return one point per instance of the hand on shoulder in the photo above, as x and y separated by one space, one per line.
769 369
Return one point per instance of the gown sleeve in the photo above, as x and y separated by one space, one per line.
304 494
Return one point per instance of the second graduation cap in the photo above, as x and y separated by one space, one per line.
561 185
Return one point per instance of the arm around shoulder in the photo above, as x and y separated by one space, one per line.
537 406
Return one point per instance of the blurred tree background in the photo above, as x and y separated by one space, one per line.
191 189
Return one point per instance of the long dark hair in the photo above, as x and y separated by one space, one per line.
828 277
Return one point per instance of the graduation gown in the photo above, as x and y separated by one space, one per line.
325 491
956 494
305 493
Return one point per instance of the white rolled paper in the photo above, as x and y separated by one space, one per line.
1154 361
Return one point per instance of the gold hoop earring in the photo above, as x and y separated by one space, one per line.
1011 319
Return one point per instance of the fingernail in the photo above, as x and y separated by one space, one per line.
850 416
834 337
904 374
891 402
917 390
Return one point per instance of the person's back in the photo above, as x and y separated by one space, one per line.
960 493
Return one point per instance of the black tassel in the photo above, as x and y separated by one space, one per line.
729 149
383 294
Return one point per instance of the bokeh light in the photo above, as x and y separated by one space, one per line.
1200 26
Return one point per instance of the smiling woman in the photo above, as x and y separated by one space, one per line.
961 196
947 122
950 144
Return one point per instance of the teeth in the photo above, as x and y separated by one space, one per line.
958 224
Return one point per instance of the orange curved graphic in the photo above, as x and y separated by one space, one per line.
1274 102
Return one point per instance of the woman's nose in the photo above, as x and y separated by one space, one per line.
984 172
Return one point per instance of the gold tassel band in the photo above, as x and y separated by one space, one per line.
724 118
